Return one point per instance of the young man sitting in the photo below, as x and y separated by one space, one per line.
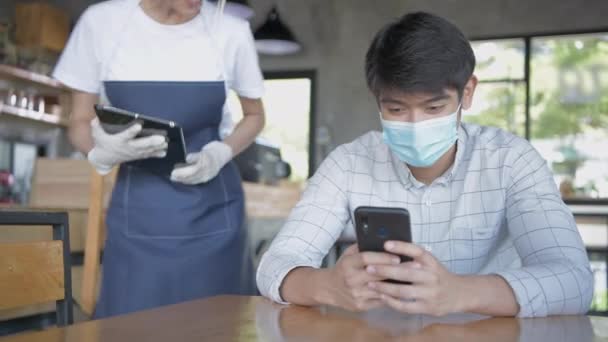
491 234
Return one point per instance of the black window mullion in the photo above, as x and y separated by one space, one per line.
527 53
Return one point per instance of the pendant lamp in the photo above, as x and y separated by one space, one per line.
274 37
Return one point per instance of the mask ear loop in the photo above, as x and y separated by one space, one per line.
213 33
219 14
106 60
213 30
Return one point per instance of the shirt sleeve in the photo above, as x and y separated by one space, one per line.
311 228
79 66
555 277
247 79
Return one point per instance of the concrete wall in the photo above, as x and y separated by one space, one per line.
336 34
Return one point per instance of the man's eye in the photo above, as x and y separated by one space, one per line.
435 109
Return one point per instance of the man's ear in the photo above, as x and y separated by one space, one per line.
468 91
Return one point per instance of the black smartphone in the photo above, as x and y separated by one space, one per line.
114 120
376 225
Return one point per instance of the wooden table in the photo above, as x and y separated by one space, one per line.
231 318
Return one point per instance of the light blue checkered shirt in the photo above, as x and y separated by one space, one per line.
496 211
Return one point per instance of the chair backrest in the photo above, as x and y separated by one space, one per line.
37 272
66 183
30 273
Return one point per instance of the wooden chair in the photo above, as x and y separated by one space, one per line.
36 272
71 183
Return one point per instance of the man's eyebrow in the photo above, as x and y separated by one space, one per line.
391 100
437 98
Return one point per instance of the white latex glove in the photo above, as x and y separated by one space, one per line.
205 165
113 149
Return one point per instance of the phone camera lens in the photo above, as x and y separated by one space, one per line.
382 233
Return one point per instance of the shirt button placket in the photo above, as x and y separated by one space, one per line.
426 200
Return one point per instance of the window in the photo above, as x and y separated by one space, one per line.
569 110
5 155
24 158
552 90
500 95
17 159
288 102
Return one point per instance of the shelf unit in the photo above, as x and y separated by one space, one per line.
32 115
44 85
17 74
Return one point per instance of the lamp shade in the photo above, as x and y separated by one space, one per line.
274 37
238 8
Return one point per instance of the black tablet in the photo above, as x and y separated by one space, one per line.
114 120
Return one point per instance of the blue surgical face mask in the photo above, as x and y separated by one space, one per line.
421 144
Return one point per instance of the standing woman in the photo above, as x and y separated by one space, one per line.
176 238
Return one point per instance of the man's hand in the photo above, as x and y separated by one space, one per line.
434 290
349 281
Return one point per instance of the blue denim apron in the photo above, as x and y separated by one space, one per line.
168 242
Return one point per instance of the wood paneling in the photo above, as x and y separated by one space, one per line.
30 273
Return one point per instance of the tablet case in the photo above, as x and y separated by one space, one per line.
114 120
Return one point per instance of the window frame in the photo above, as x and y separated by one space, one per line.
310 74
527 39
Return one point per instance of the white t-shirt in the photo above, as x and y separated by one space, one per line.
116 40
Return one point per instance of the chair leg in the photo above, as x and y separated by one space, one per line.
64 313
92 245
61 231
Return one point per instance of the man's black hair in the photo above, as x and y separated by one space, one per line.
420 52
